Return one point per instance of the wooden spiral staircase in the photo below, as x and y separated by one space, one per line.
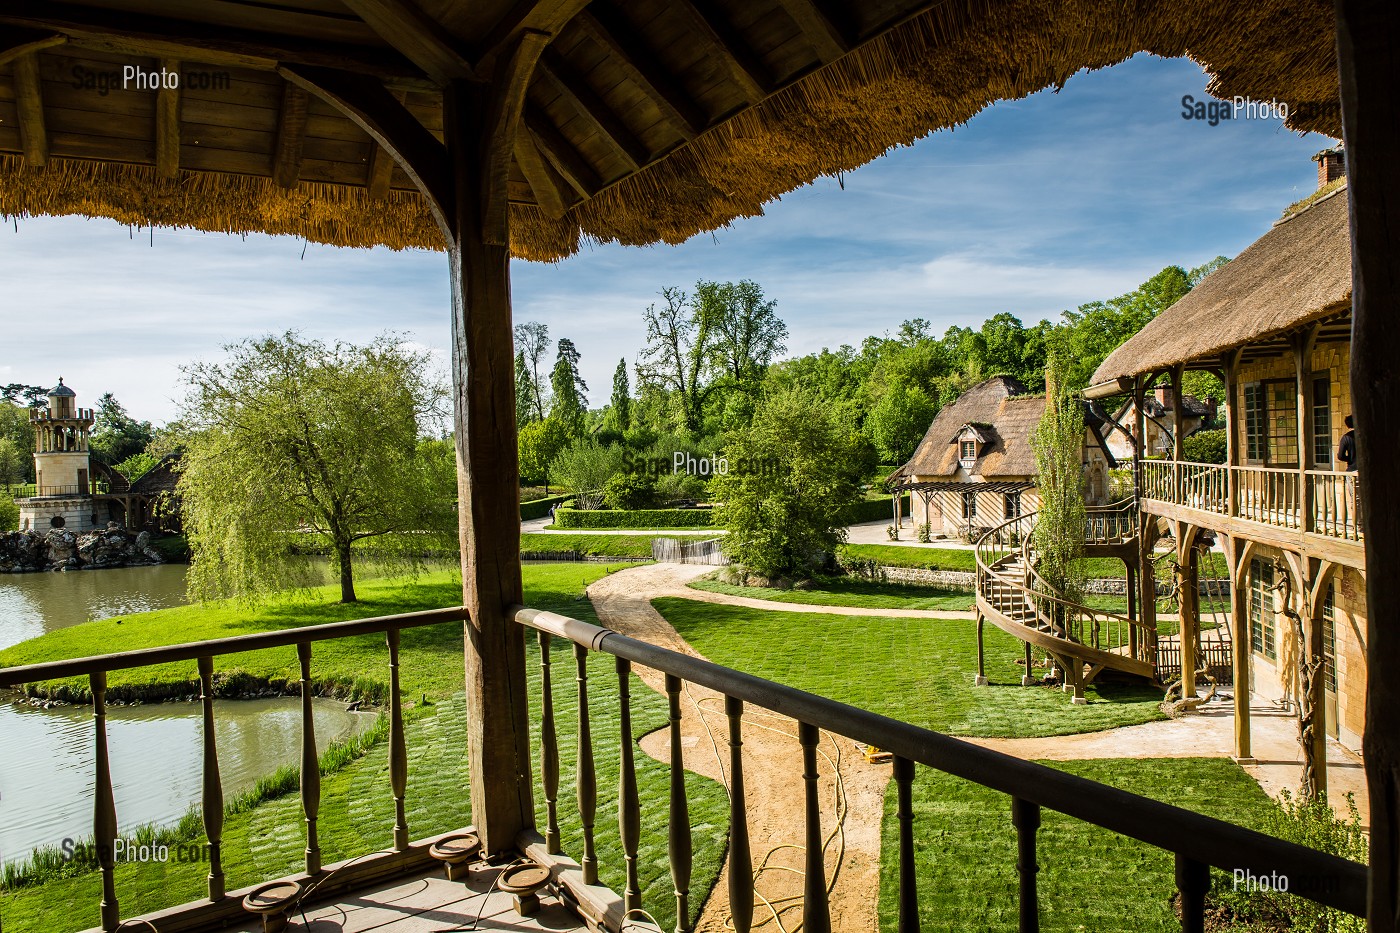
1082 640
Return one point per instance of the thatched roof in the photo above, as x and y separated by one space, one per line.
1006 417
647 121
1298 272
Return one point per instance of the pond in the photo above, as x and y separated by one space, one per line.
46 755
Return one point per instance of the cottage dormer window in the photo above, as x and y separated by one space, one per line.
967 451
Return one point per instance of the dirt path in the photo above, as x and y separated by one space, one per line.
772 773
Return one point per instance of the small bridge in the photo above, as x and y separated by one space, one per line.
1081 640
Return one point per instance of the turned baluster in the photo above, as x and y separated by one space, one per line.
1025 816
740 858
549 748
104 812
587 778
310 763
816 911
1193 881
398 747
904 813
679 829
629 812
212 805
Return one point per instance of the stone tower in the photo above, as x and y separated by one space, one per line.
62 469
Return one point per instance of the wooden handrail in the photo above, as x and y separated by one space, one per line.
1318 876
213 647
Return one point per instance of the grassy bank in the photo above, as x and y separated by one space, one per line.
845 591
1090 879
916 670
266 841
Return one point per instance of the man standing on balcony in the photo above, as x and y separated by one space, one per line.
1346 450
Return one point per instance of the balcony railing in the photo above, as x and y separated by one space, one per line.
222 905
1197 842
1111 524
31 490
1317 501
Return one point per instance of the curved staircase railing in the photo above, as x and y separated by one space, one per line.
1018 599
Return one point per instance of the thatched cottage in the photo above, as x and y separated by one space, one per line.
975 467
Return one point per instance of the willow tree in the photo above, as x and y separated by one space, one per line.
1059 450
292 442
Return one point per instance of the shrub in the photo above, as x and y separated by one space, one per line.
636 518
924 533
873 510
539 508
892 532
629 491
1205 447
865 568
9 513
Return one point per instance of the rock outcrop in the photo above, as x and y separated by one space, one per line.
60 549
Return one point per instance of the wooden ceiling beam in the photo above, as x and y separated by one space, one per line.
381 165
821 24
29 103
17 40
567 161
168 125
416 35
745 68
503 124
548 196
291 136
570 85
609 30
548 16
375 110
159 37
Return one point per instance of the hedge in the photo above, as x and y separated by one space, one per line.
539 508
874 510
638 518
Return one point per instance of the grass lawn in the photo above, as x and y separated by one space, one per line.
841 591
916 670
1090 879
356 809
597 545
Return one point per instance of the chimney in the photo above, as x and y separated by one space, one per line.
1331 165
1164 397
1212 408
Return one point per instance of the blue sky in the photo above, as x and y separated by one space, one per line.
1033 207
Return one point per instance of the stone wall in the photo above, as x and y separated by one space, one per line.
1102 586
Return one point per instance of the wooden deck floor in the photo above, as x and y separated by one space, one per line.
429 903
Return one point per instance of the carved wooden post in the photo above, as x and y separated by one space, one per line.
212 804
398 750
549 748
629 814
679 823
1188 599
1025 816
104 811
1232 430
1303 346
981 680
1237 555
310 763
816 909
740 858
586 778
1368 37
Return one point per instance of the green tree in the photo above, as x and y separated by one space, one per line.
570 401
11 462
532 339
676 354
526 401
115 434
899 422
540 442
585 467
1059 451
791 474
135 466
748 334
620 411
291 440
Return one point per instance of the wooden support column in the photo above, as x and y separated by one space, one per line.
168 125
1313 647
1178 436
1189 626
1303 345
1368 58
291 136
1139 430
29 105
1232 430
1237 554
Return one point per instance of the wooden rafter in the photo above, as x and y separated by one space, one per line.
571 166
541 177
168 125
381 166
136 34
503 123
565 80
416 35
548 16
291 136
714 29
375 110
821 25
29 102
17 40
609 30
